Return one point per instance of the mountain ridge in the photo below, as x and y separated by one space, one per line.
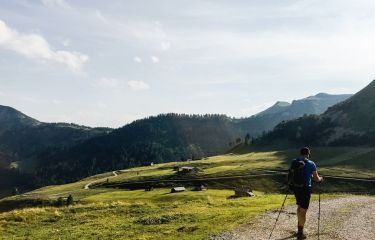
284 111
61 152
348 123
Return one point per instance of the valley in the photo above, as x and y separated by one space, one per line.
114 203
172 176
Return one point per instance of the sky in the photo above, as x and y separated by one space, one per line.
108 63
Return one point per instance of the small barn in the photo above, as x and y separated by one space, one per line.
243 192
178 189
184 170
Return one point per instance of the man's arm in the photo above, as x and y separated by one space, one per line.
316 177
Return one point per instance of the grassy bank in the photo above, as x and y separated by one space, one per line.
139 215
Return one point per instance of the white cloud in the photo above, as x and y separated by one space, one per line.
148 34
137 59
34 46
66 42
165 46
116 84
56 101
56 3
107 83
138 85
155 59
101 105
100 16
30 99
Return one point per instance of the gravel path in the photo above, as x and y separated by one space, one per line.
341 219
87 186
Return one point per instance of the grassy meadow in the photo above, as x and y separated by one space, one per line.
105 212
139 215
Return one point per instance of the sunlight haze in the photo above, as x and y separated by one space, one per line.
107 63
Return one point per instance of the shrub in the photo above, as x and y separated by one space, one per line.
160 219
69 200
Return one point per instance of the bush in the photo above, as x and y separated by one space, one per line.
160 219
69 200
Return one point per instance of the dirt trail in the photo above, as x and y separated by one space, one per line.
87 186
341 219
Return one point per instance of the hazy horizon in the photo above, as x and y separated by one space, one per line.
261 110
96 63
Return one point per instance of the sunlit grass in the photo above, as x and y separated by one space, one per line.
352 162
108 213
139 215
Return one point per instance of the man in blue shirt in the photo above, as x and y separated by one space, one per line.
303 194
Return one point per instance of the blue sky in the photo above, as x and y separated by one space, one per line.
107 63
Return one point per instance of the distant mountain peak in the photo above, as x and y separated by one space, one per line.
10 116
349 122
281 104
322 95
315 104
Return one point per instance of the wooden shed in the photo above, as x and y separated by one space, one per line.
186 169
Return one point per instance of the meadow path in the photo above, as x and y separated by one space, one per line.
87 186
341 219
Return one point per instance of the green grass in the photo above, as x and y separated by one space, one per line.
222 165
139 215
109 213
353 162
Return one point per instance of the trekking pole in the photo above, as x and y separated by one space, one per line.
319 218
277 219
320 191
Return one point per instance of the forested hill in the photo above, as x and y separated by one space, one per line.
60 152
348 123
23 140
284 111
163 138
172 137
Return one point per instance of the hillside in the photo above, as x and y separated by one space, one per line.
119 207
23 140
356 113
50 153
159 139
171 137
284 111
349 123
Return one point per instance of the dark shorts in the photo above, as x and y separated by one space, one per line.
303 196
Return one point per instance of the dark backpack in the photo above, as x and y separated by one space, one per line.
295 174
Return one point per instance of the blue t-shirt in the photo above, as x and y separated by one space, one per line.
310 167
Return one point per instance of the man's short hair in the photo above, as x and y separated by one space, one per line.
305 151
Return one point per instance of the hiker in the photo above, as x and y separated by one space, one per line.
301 173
